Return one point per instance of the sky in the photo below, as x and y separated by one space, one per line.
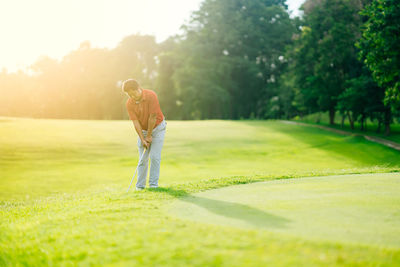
32 28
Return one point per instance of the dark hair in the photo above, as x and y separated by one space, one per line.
130 84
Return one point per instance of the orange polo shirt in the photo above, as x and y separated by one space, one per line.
141 110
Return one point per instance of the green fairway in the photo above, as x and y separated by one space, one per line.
348 208
47 157
64 202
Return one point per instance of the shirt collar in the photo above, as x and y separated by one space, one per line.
141 100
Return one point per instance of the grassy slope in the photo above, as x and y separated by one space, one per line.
63 192
371 126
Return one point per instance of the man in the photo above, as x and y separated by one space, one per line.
145 112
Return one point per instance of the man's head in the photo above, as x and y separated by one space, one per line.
132 88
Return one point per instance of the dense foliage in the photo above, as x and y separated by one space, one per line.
234 59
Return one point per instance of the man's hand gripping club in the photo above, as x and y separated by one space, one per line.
147 141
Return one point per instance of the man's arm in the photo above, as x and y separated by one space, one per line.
150 126
138 129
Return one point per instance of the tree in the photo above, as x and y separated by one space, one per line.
362 99
229 58
85 84
380 50
325 56
380 46
167 64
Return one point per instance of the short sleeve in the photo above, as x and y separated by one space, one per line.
154 106
131 112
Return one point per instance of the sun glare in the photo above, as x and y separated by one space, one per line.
30 29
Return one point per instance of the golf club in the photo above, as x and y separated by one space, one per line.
140 159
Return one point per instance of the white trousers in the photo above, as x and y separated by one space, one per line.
154 153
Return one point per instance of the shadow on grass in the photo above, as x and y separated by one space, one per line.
249 215
355 148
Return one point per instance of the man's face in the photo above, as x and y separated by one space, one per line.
135 94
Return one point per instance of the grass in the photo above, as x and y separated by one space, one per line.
357 209
372 126
64 201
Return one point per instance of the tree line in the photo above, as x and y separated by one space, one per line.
235 59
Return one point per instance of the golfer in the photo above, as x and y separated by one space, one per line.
145 112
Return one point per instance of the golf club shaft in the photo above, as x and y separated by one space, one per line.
140 159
